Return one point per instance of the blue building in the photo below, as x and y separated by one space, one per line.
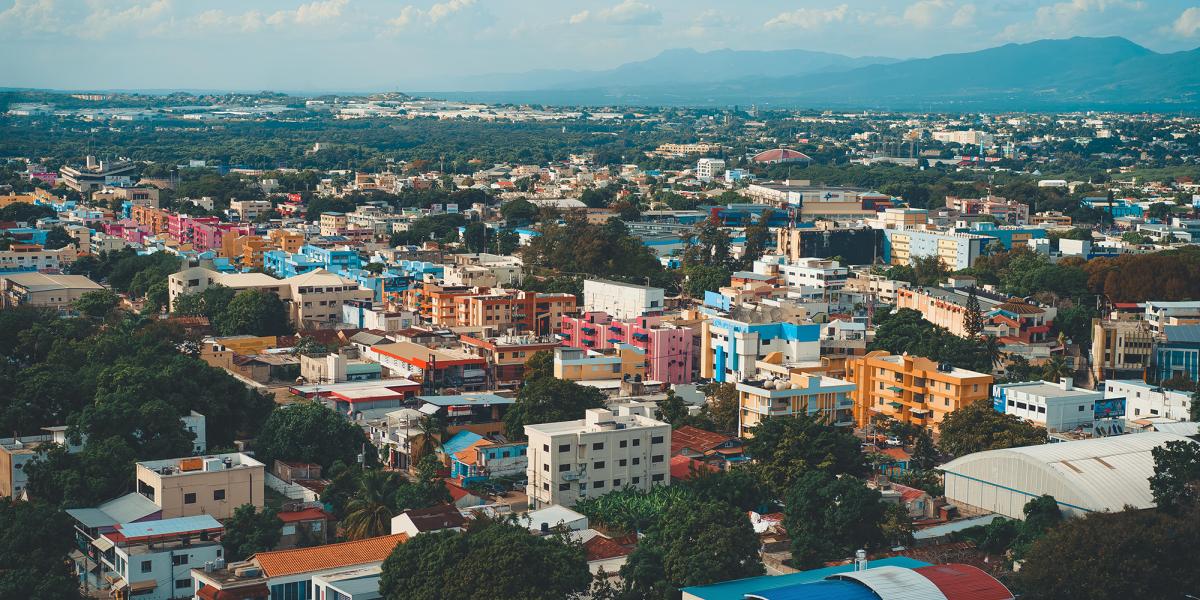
1119 207
1009 235
1179 354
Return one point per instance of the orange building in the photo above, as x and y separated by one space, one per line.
154 219
524 312
912 389
287 240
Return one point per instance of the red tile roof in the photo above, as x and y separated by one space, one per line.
282 563
696 439
602 548
683 467
308 514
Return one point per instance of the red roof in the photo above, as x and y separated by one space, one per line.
897 453
908 493
696 439
602 548
964 582
258 590
683 467
780 155
456 492
308 514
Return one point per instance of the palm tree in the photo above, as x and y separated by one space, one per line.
370 514
1055 369
994 350
432 428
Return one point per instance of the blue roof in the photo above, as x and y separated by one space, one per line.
168 526
820 590
461 441
738 588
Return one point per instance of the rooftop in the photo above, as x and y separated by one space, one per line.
41 282
282 563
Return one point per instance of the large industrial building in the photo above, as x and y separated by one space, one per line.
1092 475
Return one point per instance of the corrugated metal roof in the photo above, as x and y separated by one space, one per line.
965 582
740 588
1099 474
168 526
895 583
818 590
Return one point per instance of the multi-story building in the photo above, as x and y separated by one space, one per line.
96 174
668 347
506 354
969 137
16 452
333 223
912 389
202 485
251 210
1013 319
730 347
811 276
622 300
316 298
621 362
1121 346
592 456
152 217
435 368
1159 315
33 257
154 559
877 287
686 149
1052 219
1147 400
708 169
365 314
1008 211
198 279
856 246
956 250
514 311
1056 406
39 289
823 398
1176 354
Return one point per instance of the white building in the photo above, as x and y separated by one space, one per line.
250 210
621 300
1055 406
708 169
969 137
602 452
1092 475
1144 400
153 559
1163 314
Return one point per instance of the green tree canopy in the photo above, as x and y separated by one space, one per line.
250 531
491 559
977 427
254 312
830 517
96 304
35 539
547 400
310 432
785 447
1176 480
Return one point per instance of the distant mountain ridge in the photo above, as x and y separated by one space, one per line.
1076 73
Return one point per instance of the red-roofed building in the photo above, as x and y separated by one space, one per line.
780 155
305 527
607 554
965 582
683 467
710 447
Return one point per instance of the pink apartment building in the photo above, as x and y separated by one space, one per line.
668 348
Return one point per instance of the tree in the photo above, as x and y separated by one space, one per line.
830 517
57 238
475 236
309 432
993 349
973 320
254 312
35 539
1114 556
250 531
519 212
693 544
758 235
705 278
925 453
97 303
1055 368
737 487
1041 515
547 400
1176 480
785 447
723 405
209 303
491 559
977 427
369 514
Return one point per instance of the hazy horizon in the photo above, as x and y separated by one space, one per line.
374 45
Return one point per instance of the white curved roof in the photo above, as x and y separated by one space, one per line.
895 583
1099 474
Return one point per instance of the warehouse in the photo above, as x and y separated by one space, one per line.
1092 475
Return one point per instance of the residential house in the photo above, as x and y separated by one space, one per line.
154 559
415 521
212 485
911 389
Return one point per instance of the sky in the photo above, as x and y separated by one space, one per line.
406 45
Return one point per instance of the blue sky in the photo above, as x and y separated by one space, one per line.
414 44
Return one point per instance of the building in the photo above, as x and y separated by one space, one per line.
780 155
1004 210
855 246
251 210
435 368
956 250
39 289
197 279
669 348
1148 401
686 149
16 452
1176 354
825 399
317 297
622 300
202 485
365 314
415 521
730 347
622 362
33 257
512 311
1104 474
1160 314
969 137
1121 346
293 574
708 169
485 458
1013 320
154 559
602 452
96 174
808 202
1056 406
506 355
911 389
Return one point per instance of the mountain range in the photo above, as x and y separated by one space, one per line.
1110 73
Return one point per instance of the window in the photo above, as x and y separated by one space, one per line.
623 443
563 468
658 477
189 498
616 483
656 458
637 442
546 467
564 487
637 461
1081 408
564 447
315 526
637 480
1011 403
546 486
658 439
622 463
598 464
545 447
597 484
289 529
183 583
179 559
146 566
218 494
598 446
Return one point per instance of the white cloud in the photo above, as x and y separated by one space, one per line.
438 12
313 13
628 12
1063 18
926 12
31 16
964 16
1188 23
808 18
247 22
105 19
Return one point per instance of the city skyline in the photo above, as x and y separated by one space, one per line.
371 45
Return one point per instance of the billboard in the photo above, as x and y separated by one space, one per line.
1109 408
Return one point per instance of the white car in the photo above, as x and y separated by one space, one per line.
894 441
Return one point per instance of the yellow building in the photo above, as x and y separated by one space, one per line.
577 364
912 389
287 240
202 485
10 199
826 399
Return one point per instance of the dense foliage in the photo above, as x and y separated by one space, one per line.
977 427
249 531
310 432
35 539
232 312
1176 480
829 517
543 398
607 251
905 330
784 448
